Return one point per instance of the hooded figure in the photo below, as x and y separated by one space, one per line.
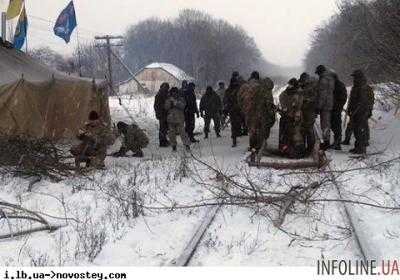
325 90
360 108
210 109
291 142
175 107
161 114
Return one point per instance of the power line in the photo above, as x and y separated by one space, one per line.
53 22
107 45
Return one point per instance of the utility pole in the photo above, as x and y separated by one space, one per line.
4 26
107 45
129 71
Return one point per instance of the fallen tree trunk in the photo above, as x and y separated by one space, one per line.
50 228
300 164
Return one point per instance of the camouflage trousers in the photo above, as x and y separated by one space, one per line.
134 148
258 136
92 157
291 141
175 129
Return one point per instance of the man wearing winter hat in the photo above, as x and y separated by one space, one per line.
360 108
325 89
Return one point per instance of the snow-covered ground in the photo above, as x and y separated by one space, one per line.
100 228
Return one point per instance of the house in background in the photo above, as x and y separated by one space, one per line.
151 77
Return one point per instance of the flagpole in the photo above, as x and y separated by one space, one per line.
79 48
26 38
79 52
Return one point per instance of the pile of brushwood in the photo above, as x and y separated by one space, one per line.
25 157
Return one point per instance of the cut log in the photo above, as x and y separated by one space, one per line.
318 160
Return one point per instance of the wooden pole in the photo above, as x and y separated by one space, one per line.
4 26
107 46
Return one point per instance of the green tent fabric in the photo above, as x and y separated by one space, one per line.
38 102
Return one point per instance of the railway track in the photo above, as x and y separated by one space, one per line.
190 248
351 220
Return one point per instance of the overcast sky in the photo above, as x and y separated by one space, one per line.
281 28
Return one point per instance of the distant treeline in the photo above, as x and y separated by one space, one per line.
363 35
207 48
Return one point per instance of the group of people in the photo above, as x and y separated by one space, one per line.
299 106
251 109
176 110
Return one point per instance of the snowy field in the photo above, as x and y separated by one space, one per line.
101 228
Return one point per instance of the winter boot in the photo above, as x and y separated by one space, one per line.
358 151
336 146
138 154
234 142
164 144
325 146
346 142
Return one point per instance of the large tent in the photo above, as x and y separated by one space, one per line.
38 102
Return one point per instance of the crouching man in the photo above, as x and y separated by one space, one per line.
134 139
95 137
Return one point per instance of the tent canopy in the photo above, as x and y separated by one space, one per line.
38 102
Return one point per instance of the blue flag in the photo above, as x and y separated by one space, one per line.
66 23
21 30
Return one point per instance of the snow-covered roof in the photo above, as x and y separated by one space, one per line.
172 69
168 67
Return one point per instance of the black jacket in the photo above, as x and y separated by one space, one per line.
159 104
191 102
339 96
211 104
